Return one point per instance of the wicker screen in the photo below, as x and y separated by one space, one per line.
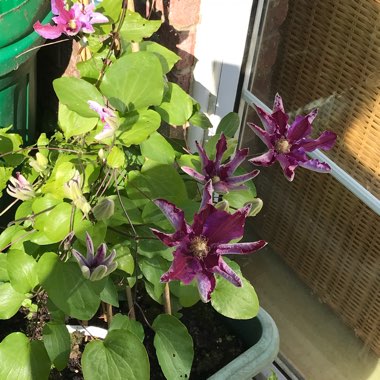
326 54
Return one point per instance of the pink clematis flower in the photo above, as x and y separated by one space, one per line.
200 247
220 174
288 144
107 116
70 22
20 188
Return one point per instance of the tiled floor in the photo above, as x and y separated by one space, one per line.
313 339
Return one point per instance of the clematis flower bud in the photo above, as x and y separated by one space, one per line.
95 266
39 164
20 188
223 205
104 209
73 190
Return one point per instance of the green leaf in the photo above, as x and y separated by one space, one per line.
238 198
110 8
174 347
10 142
57 343
158 149
229 125
124 258
23 359
10 301
120 356
109 293
135 28
153 247
116 158
75 92
188 295
137 127
234 302
21 271
7 235
62 217
73 124
176 107
134 81
200 119
153 268
3 268
5 174
90 69
122 322
156 181
119 216
67 287
167 58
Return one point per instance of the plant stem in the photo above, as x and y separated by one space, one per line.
167 303
131 308
109 313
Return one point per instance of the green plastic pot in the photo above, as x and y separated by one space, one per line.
261 335
17 18
18 63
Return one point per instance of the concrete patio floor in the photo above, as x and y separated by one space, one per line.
313 339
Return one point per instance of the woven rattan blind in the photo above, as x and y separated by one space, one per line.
327 55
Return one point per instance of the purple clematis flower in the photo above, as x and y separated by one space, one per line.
288 144
220 174
200 247
95 266
107 116
70 22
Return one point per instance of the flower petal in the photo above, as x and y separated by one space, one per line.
100 254
207 195
175 215
221 147
269 123
240 248
193 173
171 240
263 135
325 141
300 128
90 249
287 166
238 157
206 285
208 166
221 227
226 272
265 159
184 268
316 165
80 258
98 18
49 32
242 178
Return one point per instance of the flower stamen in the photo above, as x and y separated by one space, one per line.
283 146
199 248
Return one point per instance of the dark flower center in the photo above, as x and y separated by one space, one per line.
199 248
283 146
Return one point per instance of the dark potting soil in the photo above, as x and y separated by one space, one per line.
214 344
